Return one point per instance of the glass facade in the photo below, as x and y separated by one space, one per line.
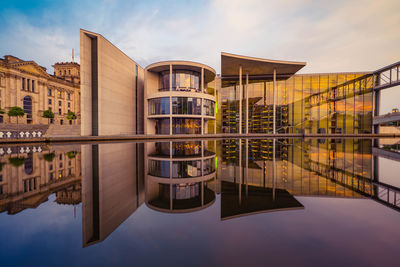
159 106
309 103
186 105
186 126
182 80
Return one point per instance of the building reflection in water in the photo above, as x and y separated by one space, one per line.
29 174
250 175
112 187
181 176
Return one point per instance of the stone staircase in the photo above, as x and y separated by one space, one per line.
64 130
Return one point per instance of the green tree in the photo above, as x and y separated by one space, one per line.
48 114
71 115
16 112
17 161
49 157
71 154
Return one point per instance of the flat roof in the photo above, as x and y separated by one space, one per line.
252 66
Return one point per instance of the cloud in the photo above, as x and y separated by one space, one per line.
334 36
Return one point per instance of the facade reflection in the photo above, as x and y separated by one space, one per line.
250 176
29 174
181 176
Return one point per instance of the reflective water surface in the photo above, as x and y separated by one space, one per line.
207 202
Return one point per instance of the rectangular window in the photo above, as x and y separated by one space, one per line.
69 96
59 94
33 86
28 82
59 103
49 101
60 157
69 104
23 83
59 111
48 91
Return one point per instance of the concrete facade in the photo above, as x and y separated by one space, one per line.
112 88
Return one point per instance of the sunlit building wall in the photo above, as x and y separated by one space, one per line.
305 103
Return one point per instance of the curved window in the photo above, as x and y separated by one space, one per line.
28 108
186 105
209 107
190 148
186 169
162 126
209 166
182 80
159 106
159 168
186 126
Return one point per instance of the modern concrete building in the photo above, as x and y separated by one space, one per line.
179 98
252 95
112 89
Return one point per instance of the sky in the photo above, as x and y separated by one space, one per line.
331 36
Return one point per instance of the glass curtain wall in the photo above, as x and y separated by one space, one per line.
309 103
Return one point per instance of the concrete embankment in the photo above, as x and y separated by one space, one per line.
144 138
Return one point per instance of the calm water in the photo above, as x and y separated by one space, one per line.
224 202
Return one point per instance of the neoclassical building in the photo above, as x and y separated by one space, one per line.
27 85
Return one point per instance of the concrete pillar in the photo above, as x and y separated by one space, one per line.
216 103
274 105
202 80
247 103
240 99
240 172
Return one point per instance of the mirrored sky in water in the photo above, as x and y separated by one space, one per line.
223 203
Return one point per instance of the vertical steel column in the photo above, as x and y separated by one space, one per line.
274 105
240 99
170 99
247 103
247 165
273 169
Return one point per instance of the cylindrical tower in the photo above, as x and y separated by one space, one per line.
179 99
180 176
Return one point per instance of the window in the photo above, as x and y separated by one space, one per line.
49 101
33 86
60 157
28 108
159 106
50 167
69 172
23 83
69 104
69 96
186 105
61 122
69 72
48 91
28 82
59 111
61 165
59 94
59 103
51 176
60 73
